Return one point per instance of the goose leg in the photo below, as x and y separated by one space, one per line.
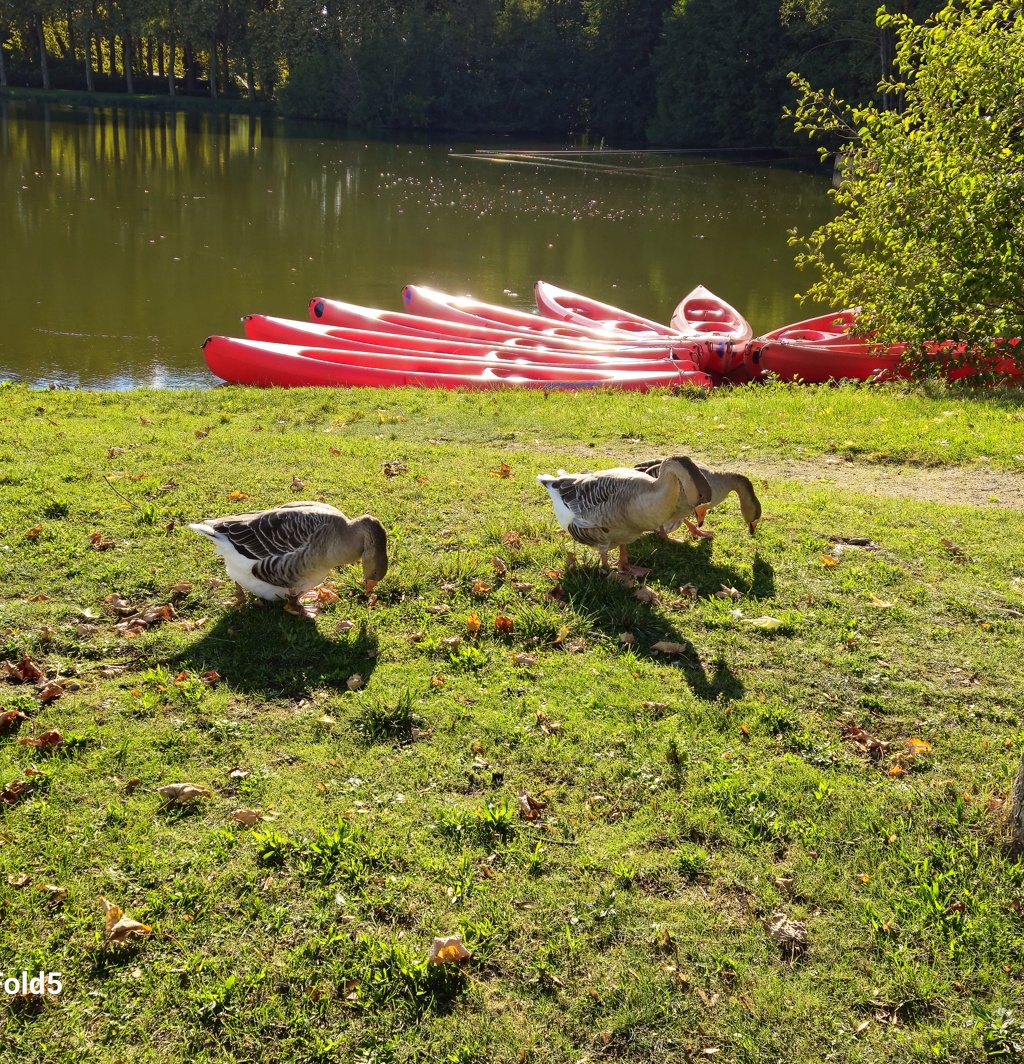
625 567
604 560
697 533
292 604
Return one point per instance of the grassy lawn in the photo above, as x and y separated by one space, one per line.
615 831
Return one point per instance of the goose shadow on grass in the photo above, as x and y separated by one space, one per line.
613 608
268 652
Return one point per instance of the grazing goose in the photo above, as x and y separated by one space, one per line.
287 551
721 484
613 507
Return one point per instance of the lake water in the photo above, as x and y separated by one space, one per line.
127 237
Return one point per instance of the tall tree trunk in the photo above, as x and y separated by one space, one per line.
160 59
250 78
3 69
89 85
213 71
112 56
126 57
44 65
172 50
190 67
149 56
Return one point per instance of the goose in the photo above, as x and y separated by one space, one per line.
289 550
613 507
721 485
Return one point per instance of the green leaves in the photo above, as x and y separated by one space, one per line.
931 194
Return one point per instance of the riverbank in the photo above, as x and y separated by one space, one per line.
613 799
138 101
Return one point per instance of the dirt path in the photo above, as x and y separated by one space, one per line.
973 485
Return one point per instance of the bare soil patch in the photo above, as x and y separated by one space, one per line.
975 485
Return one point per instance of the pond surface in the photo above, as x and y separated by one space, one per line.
127 237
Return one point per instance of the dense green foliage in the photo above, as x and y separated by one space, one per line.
928 236
672 72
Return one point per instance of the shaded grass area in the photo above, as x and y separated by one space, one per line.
680 799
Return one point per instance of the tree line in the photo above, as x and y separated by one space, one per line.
681 73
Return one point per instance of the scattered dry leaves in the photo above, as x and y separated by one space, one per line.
481 587
100 542
247 817
504 472
473 624
145 619
512 540
524 659
503 625
499 566
355 681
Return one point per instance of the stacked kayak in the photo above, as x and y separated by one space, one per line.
823 349
445 341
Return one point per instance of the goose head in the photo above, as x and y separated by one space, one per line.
750 505
374 554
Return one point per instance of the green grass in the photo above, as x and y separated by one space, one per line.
679 799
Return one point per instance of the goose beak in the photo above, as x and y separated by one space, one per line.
701 512
370 585
753 527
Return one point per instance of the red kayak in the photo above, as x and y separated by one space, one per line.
822 349
292 366
562 305
524 350
430 303
547 333
704 316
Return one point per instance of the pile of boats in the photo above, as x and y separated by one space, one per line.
444 341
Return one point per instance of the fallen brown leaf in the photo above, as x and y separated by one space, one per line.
670 648
503 625
481 587
183 793
117 926
354 682
34 531
504 472
50 691
525 659
45 740
473 624
646 594
10 719
499 566
100 542
512 540
247 817
448 950
237 496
